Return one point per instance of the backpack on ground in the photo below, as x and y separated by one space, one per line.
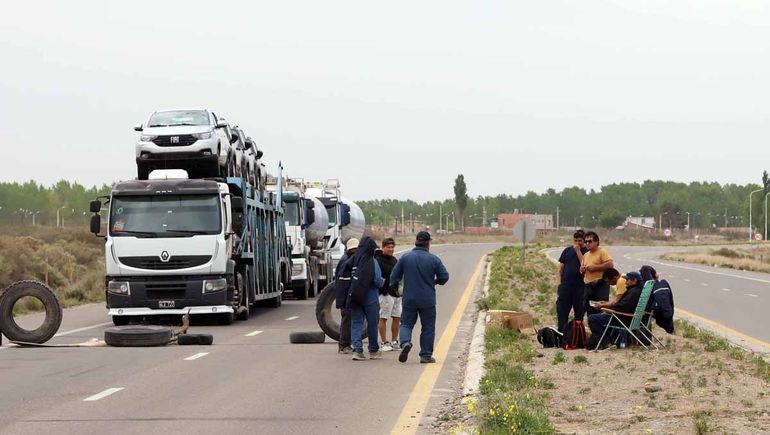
550 337
575 337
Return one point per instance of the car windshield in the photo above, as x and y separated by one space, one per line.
292 213
165 216
179 117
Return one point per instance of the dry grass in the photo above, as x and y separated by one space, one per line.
753 259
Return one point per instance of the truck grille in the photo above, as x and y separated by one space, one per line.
175 262
181 140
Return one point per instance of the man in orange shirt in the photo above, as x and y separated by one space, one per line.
594 263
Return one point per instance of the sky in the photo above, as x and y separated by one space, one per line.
396 99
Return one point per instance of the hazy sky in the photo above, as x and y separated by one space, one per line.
397 98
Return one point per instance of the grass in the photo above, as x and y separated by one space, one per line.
580 359
511 397
702 422
757 260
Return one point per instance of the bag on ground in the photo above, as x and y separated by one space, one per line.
550 337
576 335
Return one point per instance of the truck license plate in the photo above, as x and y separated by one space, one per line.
166 304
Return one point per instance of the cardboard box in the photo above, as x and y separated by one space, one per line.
509 319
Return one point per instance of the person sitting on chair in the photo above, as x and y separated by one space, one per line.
626 304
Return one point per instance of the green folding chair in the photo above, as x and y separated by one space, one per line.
635 327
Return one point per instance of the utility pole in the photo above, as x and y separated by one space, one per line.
751 238
768 193
440 216
484 208
411 222
403 228
557 217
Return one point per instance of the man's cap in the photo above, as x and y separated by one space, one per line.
352 244
423 236
633 275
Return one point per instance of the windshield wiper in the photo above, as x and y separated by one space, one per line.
158 125
188 232
137 233
183 123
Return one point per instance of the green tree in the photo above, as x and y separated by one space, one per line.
461 198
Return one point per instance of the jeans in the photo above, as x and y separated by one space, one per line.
372 313
345 328
597 323
428 324
570 297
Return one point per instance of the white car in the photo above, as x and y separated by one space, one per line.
191 139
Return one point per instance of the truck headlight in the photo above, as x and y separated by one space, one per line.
206 135
147 138
119 287
296 269
214 285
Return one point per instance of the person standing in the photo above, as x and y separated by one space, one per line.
421 271
594 263
363 299
390 300
570 294
342 277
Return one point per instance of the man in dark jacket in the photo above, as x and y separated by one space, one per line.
570 294
342 277
626 304
421 271
390 300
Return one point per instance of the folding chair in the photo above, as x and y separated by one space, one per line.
636 324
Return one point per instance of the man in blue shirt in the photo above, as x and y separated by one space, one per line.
421 271
571 290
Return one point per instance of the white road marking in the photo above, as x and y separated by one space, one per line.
292 318
196 356
731 275
103 394
686 280
627 257
726 290
251 334
704 284
752 295
85 328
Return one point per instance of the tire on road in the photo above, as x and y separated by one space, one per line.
195 339
325 303
306 337
137 335
39 291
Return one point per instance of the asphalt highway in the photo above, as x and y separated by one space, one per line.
252 380
731 301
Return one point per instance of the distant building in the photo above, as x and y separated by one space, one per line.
542 221
639 223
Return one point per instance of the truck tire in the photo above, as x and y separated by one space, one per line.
195 340
313 288
323 313
275 302
137 335
301 291
307 337
242 313
39 291
142 171
225 319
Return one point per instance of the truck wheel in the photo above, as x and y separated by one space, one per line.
225 318
313 288
142 172
300 292
242 311
137 335
39 291
195 339
307 337
275 302
324 313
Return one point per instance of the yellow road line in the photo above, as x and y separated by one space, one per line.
725 329
415 406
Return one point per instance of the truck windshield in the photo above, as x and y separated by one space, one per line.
332 212
179 117
292 213
165 216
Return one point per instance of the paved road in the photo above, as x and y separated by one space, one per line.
736 299
251 381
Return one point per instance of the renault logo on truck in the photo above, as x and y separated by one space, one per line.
164 257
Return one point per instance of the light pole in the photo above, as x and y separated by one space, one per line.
750 231
688 221
768 193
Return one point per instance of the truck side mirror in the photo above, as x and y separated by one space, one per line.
345 218
309 213
260 154
234 138
221 124
237 222
95 206
236 203
138 127
96 224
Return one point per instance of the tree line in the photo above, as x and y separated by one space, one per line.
707 204
23 203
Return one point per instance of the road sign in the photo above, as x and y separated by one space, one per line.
524 231
667 232
758 237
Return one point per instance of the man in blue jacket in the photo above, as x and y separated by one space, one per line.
421 271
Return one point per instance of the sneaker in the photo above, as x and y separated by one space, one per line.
359 356
404 352
395 344
386 347
375 355
347 350
429 360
